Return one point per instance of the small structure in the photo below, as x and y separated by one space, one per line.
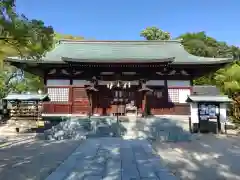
25 112
208 109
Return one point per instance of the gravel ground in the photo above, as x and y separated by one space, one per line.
34 160
210 157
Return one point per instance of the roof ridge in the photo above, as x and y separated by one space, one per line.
67 41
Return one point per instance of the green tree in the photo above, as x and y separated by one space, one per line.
235 52
228 80
197 44
22 37
200 44
29 38
13 79
154 33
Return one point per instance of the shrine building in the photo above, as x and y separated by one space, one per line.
117 77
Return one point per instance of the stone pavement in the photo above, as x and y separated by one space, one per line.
112 159
11 140
34 160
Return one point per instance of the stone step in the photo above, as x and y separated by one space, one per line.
162 128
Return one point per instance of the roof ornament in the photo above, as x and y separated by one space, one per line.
160 73
184 73
173 72
64 71
180 40
52 71
77 72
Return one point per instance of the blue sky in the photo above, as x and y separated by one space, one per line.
124 19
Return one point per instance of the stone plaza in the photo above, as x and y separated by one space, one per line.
115 158
177 154
112 159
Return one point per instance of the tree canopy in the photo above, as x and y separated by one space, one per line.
24 81
154 33
27 37
20 36
200 44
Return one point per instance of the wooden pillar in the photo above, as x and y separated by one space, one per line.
94 101
144 102
70 99
91 104
166 90
70 69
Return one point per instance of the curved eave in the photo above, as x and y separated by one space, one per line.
118 61
64 60
203 98
207 61
27 97
30 61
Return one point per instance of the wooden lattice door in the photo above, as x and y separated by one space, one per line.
80 101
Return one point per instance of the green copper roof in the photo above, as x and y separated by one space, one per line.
27 97
123 51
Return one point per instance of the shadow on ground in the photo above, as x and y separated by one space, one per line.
162 129
115 159
111 158
205 156
106 127
34 160
208 157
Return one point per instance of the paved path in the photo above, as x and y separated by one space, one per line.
112 159
211 157
15 140
34 160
